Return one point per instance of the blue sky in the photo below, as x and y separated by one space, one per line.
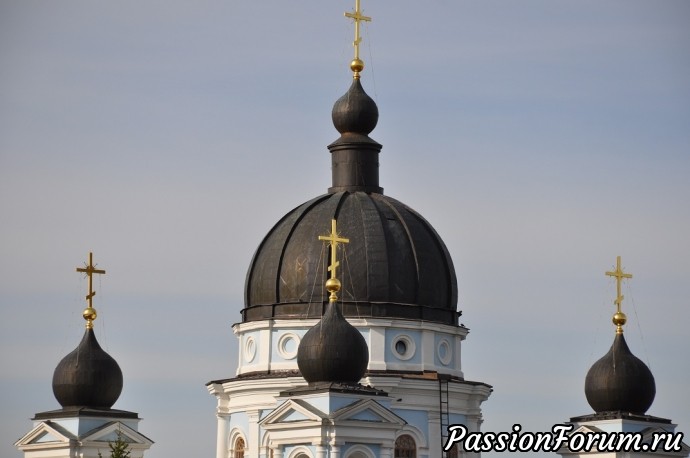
540 138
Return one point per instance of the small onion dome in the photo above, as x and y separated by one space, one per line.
88 376
355 112
333 350
620 382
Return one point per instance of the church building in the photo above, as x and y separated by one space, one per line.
349 343
86 383
620 388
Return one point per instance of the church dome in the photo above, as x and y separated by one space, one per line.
88 376
333 350
395 266
620 382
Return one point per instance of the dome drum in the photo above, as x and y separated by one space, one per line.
355 164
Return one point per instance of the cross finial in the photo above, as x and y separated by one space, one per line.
333 285
90 269
357 65
619 318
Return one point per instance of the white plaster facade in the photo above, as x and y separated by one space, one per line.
405 358
82 437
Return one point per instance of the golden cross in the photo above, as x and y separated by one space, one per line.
89 271
620 275
357 64
333 240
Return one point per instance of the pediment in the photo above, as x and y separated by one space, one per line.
649 433
293 410
586 429
367 410
109 433
45 432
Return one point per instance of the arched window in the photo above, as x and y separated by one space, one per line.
239 448
405 447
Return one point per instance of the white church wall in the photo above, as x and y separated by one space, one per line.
285 344
239 424
397 345
403 348
350 450
295 451
361 451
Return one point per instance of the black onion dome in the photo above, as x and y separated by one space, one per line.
620 382
395 266
88 376
333 350
355 112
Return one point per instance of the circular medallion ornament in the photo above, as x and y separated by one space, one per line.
444 353
249 349
288 344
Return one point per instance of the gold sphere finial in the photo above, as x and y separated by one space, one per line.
333 285
357 65
89 315
619 319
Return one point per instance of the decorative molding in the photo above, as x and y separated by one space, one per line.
249 349
444 351
283 341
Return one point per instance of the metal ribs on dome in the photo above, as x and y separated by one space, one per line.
396 265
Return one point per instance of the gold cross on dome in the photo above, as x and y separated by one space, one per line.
620 275
89 270
357 17
334 239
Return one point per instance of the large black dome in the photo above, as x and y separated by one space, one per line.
396 265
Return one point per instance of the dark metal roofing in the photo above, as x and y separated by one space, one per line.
74 412
355 156
88 376
395 266
332 350
620 382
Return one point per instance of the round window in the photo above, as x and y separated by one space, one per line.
403 347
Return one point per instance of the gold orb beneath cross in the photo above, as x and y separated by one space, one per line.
333 285
619 318
89 314
357 65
